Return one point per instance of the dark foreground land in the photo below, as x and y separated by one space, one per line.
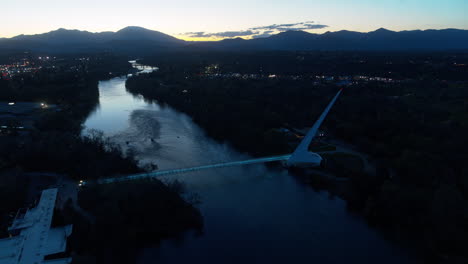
110 222
408 112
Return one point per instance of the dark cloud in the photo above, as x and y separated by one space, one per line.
195 34
265 27
289 25
231 34
314 26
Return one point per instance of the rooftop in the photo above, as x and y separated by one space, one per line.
35 238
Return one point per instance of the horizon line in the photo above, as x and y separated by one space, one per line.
206 39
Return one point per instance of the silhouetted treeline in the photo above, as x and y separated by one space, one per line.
117 219
125 217
397 65
13 189
68 80
55 144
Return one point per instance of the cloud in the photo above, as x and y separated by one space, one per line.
315 26
195 34
275 26
231 34
266 27
226 34
258 32
304 27
293 26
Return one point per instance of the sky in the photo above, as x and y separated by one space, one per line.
217 19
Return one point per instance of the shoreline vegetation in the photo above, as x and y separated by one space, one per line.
420 185
117 219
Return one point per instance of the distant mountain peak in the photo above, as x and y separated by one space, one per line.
141 33
234 39
294 32
133 38
382 30
133 28
65 30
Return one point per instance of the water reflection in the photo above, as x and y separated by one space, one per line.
252 214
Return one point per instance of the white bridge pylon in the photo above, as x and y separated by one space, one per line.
301 157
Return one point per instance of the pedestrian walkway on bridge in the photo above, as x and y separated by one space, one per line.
301 157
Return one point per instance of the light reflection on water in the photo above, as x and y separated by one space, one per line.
252 214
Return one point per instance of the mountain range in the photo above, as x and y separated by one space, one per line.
141 40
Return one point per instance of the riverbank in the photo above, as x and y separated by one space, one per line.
251 213
115 222
400 197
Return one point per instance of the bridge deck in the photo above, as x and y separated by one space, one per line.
300 155
198 168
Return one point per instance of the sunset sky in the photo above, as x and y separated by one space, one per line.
214 19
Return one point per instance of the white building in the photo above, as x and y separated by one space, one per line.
32 236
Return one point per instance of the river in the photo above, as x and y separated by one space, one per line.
252 214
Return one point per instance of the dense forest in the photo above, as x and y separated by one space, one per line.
398 65
415 129
121 223
55 143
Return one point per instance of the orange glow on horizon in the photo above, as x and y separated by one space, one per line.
188 38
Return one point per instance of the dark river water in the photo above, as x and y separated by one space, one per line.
252 214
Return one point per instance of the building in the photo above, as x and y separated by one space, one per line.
21 116
32 238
